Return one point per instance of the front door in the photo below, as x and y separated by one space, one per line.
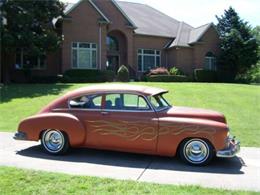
113 62
127 123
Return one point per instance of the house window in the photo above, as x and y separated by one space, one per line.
23 60
210 61
84 55
148 59
112 44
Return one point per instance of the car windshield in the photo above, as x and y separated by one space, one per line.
158 102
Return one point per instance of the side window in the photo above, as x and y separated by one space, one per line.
126 102
113 101
87 102
135 102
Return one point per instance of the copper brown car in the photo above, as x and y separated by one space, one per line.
129 118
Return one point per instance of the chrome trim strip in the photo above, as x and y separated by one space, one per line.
100 110
151 108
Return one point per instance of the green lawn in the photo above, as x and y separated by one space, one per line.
19 181
240 103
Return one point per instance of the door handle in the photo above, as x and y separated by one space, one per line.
104 113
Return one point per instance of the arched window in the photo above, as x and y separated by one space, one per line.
112 43
210 61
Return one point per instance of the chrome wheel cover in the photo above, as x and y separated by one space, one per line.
196 151
53 140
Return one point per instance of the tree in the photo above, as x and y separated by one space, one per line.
30 27
256 34
238 45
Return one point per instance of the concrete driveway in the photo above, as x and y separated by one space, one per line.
241 173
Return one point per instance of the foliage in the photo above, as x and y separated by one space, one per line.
29 25
251 76
238 45
19 98
225 76
84 76
22 181
167 78
256 34
175 71
158 71
123 74
202 75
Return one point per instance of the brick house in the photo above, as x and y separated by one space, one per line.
102 34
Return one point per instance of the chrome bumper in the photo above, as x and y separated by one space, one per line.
20 136
231 151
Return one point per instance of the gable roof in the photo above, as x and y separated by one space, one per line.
197 33
72 6
124 14
183 36
148 21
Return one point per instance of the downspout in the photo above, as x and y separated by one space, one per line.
100 45
166 58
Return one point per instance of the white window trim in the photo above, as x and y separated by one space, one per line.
155 55
87 49
211 60
38 67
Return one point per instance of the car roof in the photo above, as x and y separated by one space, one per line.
107 88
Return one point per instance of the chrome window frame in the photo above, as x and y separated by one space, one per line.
151 108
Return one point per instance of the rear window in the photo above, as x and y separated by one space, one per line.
86 102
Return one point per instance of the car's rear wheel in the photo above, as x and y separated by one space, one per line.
54 141
196 151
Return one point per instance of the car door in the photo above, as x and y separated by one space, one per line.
127 122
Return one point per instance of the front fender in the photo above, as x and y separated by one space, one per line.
71 125
173 130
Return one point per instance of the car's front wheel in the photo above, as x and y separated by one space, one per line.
54 141
196 151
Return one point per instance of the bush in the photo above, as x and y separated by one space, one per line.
175 71
251 76
87 76
225 76
109 75
123 74
202 75
158 71
45 79
167 78
255 73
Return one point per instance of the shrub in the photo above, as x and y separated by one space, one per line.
167 78
175 71
109 75
123 74
255 74
87 76
45 79
202 75
225 76
158 71
251 76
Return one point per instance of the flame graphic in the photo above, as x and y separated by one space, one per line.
133 130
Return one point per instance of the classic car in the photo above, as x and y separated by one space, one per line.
129 118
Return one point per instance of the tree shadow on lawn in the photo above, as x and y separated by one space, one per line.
16 91
122 159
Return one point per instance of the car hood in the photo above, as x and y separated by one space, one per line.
187 112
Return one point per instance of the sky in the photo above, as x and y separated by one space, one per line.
199 12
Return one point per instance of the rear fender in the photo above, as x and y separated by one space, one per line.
71 125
